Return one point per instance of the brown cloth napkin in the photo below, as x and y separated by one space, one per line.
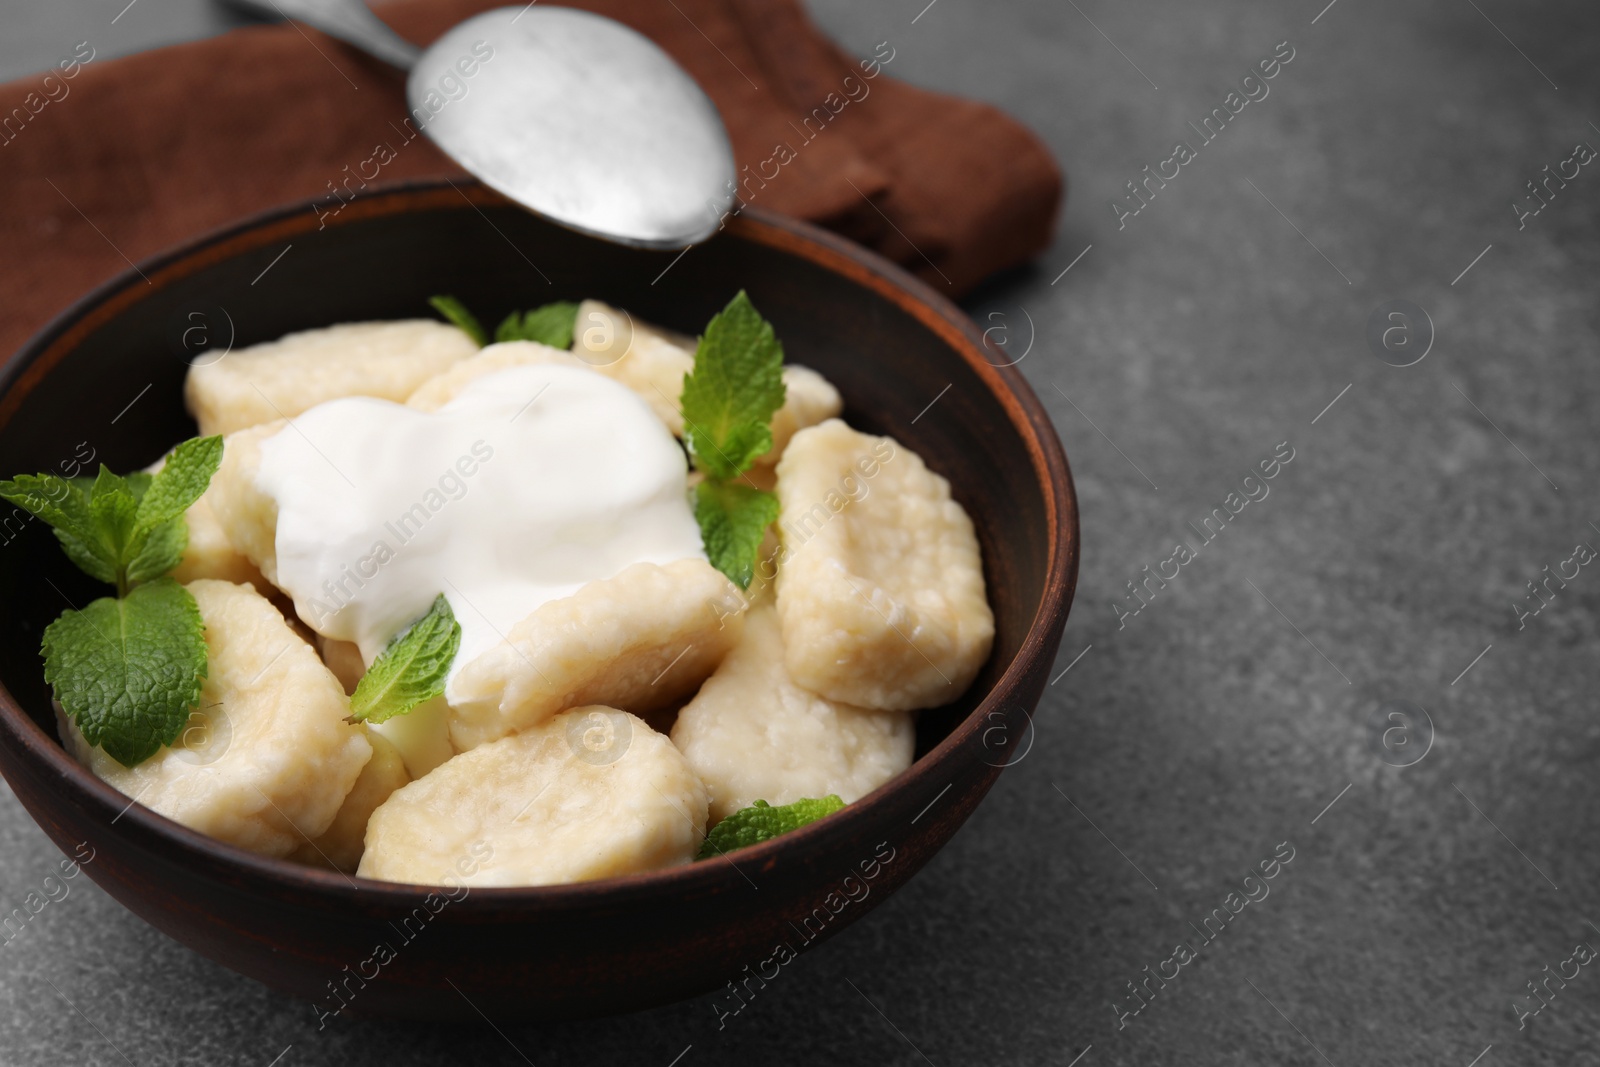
104 162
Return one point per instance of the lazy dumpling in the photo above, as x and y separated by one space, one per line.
438 391
752 734
552 804
652 362
282 378
339 846
639 641
880 591
268 759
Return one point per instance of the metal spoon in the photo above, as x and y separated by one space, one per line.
573 115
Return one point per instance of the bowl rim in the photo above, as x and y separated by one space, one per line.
24 368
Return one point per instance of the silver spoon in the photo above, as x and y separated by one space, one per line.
572 115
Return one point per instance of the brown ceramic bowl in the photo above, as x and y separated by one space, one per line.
893 347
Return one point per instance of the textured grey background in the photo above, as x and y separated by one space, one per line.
1217 723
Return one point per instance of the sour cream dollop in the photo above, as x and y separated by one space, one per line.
531 483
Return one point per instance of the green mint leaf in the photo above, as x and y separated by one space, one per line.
412 669
161 550
510 329
122 529
457 314
762 822
114 508
733 519
61 503
736 385
128 670
160 533
64 505
179 483
89 557
549 325
138 484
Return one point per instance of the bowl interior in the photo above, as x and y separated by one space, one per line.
104 384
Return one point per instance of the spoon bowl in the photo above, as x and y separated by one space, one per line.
579 119
569 114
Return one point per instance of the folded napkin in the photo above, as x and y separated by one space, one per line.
104 162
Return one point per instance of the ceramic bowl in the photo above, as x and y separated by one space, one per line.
106 379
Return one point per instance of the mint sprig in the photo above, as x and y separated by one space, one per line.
126 669
64 505
550 325
456 313
730 396
728 402
762 822
733 519
412 670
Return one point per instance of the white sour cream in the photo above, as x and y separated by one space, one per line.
532 482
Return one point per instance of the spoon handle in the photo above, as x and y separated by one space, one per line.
352 21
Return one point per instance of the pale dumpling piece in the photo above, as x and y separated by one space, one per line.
880 588
422 736
639 641
808 399
752 734
247 515
590 793
268 759
344 660
436 392
282 378
339 847
647 359
652 362
209 553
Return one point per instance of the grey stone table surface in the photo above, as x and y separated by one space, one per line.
1444 849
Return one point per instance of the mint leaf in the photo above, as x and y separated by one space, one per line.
549 325
733 519
412 669
736 385
128 670
122 529
762 822
162 550
113 508
180 482
457 314
91 559
160 533
61 503
65 506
